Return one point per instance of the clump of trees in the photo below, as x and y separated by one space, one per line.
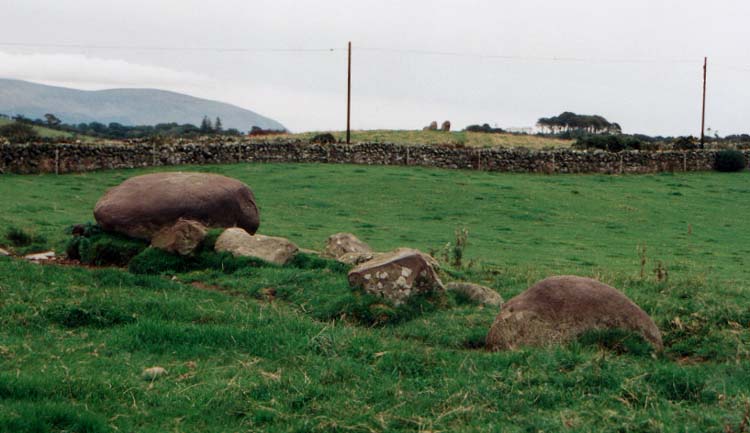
609 142
568 122
484 128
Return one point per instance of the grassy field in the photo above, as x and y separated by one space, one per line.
52 133
472 139
267 348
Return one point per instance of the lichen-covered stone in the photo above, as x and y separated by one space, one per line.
396 276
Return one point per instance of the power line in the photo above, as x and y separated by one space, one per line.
527 58
164 48
463 54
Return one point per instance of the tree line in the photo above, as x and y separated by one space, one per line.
116 131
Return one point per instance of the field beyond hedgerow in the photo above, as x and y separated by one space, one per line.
268 348
454 138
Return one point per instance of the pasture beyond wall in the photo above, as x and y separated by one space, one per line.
67 158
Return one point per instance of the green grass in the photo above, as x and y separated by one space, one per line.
277 349
471 139
592 224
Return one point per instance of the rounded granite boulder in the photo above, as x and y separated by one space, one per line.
560 308
143 205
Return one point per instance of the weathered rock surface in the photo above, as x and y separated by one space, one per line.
339 244
309 251
143 205
446 126
431 260
396 276
559 308
4 253
271 249
476 293
356 258
183 238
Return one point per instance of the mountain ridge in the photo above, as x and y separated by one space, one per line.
128 106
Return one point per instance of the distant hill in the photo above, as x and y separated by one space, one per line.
125 106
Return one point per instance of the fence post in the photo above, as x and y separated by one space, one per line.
57 160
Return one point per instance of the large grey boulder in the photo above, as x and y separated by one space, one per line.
476 293
271 249
396 276
558 309
183 238
143 205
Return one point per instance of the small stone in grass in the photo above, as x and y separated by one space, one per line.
153 373
47 255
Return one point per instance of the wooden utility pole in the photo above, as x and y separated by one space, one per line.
349 96
703 113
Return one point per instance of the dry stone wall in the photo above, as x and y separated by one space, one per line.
67 158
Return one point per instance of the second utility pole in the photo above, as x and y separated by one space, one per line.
349 96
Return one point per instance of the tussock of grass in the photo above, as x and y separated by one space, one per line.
88 314
24 241
617 341
50 417
96 247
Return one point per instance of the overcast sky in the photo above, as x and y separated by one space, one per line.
636 62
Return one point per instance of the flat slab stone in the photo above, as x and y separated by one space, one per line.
47 255
269 248
476 293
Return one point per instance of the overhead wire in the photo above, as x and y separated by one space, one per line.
408 51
